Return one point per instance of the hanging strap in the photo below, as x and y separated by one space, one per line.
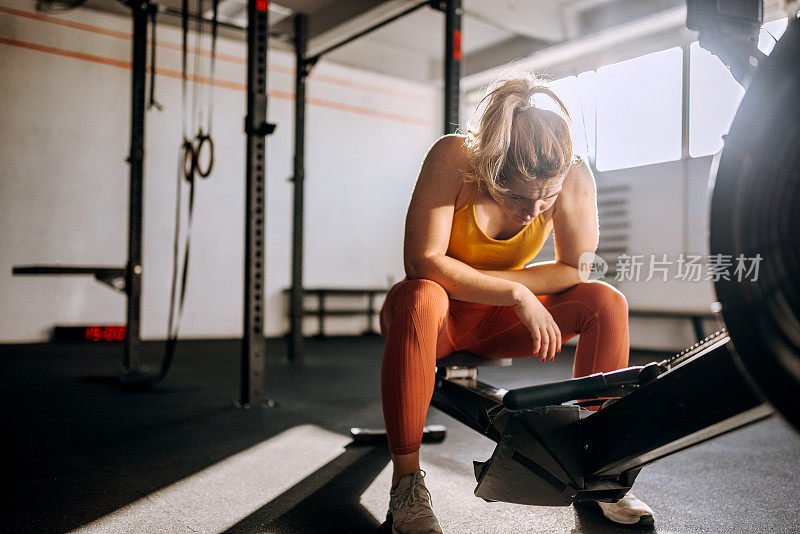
184 67
203 140
213 67
186 170
196 122
175 316
153 103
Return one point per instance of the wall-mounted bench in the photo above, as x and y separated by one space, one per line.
114 277
321 310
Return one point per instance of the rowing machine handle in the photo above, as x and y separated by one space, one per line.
575 388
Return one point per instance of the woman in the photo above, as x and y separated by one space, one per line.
482 208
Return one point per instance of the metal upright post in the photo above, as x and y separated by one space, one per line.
256 128
133 269
685 157
452 64
302 68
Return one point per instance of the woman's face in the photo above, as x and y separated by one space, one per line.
527 199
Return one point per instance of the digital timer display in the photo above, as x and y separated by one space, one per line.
104 333
90 333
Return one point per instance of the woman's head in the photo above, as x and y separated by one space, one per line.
519 153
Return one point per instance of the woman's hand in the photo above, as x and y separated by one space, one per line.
544 330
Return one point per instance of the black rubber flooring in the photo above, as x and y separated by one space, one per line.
83 455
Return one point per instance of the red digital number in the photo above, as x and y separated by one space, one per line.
120 333
93 333
105 333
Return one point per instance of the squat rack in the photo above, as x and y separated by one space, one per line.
128 279
303 67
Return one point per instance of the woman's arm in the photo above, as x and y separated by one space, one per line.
428 225
576 231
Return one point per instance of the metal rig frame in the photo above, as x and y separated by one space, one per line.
304 64
128 279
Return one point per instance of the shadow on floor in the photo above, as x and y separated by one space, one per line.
590 520
325 500
82 448
79 448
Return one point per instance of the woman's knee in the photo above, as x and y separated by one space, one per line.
419 295
604 298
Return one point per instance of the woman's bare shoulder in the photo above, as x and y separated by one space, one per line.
446 164
449 156
450 149
579 179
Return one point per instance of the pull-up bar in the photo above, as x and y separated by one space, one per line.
316 57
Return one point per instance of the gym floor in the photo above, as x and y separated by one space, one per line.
183 458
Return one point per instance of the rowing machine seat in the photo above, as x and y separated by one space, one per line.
463 358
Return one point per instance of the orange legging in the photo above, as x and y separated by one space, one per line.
421 324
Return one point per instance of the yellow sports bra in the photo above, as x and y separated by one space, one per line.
468 243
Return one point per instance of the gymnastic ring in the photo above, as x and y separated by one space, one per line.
203 140
189 160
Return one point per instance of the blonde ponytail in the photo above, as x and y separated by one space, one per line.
512 137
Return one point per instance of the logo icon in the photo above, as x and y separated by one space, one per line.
591 267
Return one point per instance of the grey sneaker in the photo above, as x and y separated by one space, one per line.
628 511
410 509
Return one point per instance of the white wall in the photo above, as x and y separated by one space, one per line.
669 212
667 206
63 185
64 121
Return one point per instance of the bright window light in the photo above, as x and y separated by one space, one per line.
774 27
714 97
569 91
714 94
639 110
587 83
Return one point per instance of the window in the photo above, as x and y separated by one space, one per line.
629 113
639 110
571 92
588 88
773 28
714 97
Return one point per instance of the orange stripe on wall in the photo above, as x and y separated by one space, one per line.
68 53
200 52
218 83
67 23
354 109
370 88
205 53
347 83
200 79
119 35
